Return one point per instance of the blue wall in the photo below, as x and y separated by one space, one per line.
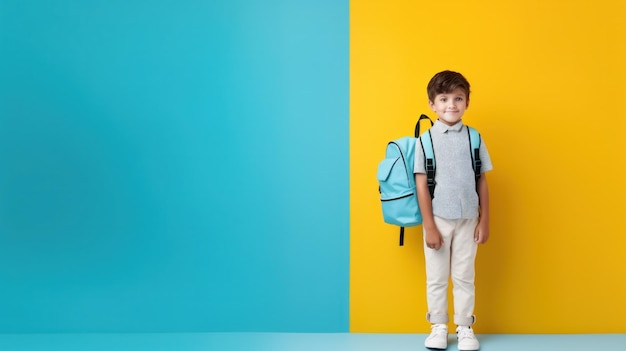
174 165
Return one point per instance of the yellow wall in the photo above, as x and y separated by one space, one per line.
549 97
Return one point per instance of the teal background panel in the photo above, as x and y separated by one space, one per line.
174 166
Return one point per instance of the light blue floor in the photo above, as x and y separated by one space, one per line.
297 342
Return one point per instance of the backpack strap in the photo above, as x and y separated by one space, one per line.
417 125
474 140
429 161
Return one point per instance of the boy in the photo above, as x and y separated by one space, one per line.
456 218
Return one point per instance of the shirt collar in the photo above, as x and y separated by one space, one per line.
441 127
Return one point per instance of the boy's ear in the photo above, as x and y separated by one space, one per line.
431 105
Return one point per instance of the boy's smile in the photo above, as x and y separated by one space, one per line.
450 107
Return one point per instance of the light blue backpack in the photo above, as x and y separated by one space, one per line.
398 193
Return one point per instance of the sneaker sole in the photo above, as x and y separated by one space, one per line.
444 347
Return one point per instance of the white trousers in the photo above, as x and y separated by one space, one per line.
455 258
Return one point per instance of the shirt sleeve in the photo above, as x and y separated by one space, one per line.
485 159
418 159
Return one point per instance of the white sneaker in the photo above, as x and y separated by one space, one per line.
466 339
438 338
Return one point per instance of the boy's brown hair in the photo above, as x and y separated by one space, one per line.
445 82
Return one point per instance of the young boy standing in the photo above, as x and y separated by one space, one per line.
456 217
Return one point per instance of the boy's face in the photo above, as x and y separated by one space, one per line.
450 107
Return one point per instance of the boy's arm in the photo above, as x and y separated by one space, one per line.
481 234
434 240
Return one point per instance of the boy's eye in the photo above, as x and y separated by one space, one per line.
442 99
459 98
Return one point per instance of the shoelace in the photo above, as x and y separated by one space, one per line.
439 329
465 333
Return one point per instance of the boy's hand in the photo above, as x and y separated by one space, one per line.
434 240
481 233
